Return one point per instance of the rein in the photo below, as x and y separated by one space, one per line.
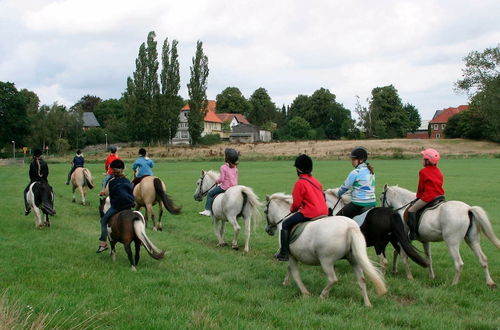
384 201
267 217
201 185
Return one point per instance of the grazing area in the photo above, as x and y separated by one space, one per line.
53 275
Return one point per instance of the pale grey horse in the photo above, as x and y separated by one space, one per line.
323 242
237 201
450 222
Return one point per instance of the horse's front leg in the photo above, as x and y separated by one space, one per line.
219 232
327 265
427 251
113 249
237 229
454 249
47 221
74 198
293 268
38 217
380 251
395 262
149 211
286 281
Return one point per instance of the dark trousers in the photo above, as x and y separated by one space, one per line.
211 196
71 171
293 220
350 210
104 222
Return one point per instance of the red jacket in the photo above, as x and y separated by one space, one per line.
308 197
430 184
108 161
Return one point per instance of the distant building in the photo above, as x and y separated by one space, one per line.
89 120
438 123
212 124
248 133
233 118
422 132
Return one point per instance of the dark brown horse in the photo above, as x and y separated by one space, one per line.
126 227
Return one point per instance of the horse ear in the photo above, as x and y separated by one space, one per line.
202 172
385 187
267 198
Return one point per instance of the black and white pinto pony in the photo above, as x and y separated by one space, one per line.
323 242
237 201
126 227
381 226
451 222
40 198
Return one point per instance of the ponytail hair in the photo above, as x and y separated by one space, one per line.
372 171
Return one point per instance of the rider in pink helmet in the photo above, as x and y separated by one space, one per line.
430 186
432 155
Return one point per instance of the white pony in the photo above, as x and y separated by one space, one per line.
323 242
451 222
236 201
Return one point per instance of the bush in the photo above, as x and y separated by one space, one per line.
210 139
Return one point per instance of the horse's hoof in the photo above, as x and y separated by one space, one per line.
154 228
235 247
323 296
160 229
133 269
222 244
492 286
73 200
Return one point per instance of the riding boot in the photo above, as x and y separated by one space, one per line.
412 224
284 240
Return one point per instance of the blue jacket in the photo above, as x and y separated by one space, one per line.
362 183
78 161
120 193
144 165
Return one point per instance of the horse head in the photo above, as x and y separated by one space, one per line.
207 180
396 197
104 205
277 209
47 198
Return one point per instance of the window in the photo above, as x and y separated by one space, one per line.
436 127
443 126
438 136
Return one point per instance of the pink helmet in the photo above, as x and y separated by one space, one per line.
431 155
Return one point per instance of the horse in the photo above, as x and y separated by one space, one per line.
126 227
381 226
237 201
450 222
148 192
323 242
40 197
81 178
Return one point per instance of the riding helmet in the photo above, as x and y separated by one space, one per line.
359 153
112 149
304 163
432 155
117 164
142 152
231 155
37 152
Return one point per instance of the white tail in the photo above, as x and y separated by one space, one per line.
87 178
254 203
358 246
140 231
480 218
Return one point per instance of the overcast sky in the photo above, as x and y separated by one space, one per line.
63 50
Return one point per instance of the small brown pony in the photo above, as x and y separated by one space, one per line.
126 227
81 178
148 192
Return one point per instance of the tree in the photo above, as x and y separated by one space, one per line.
231 100
299 128
262 109
197 89
299 107
86 104
152 132
112 117
14 123
486 105
413 117
365 118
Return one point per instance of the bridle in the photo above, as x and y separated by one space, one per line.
384 201
201 194
275 225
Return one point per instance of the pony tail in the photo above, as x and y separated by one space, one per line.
372 171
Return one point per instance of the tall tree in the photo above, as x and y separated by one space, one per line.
14 123
86 104
136 97
388 117
171 102
299 107
365 118
231 100
480 69
413 117
262 108
153 129
197 89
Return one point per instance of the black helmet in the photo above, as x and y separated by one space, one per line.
117 164
359 153
231 155
304 163
112 149
142 152
37 152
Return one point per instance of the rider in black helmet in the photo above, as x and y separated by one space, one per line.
39 171
361 182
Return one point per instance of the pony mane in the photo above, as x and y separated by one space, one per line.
346 198
213 174
281 198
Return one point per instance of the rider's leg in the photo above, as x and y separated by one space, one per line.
412 218
285 234
104 229
210 199
69 174
350 210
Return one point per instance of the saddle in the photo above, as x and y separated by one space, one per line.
360 218
299 228
430 206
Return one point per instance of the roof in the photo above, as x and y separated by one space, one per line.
89 120
446 114
210 115
229 116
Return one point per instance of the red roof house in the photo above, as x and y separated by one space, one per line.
438 123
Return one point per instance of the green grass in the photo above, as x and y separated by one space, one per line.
55 271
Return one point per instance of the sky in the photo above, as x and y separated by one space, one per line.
63 50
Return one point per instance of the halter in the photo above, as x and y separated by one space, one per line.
267 217
201 185
384 201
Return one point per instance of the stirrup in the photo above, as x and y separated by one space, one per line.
101 249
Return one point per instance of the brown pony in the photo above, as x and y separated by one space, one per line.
148 192
81 178
126 227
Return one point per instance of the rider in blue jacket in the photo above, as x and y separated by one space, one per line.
78 161
142 166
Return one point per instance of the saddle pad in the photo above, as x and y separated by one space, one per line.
360 218
299 228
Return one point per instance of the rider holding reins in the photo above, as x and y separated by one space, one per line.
78 161
430 186
142 167
361 182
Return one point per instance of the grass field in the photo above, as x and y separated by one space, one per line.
55 274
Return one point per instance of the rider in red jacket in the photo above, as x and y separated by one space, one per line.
430 186
308 202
